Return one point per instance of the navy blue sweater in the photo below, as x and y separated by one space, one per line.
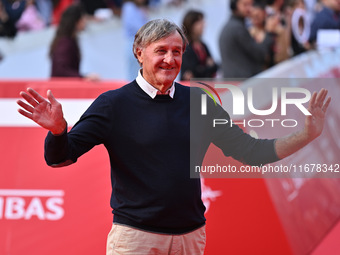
148 141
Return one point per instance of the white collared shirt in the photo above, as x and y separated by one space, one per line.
151 90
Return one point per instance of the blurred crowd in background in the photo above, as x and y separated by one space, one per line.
258 35
25 15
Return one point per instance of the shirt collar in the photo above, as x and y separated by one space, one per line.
151 90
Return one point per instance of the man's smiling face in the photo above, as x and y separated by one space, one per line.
161 61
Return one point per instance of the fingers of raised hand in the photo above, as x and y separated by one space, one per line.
25 106
312 100
51 98
28 99
325 106
321 97
318 100
24 113
36 95
31 101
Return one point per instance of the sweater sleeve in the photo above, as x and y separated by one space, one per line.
241 146
90 130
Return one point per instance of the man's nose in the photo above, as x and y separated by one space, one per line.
169 58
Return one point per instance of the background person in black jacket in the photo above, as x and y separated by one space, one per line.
10 13
197 60
242 56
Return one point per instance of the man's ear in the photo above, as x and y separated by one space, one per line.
139 55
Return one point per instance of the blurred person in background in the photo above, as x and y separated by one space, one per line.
242 56
257 29
134 16
59 6
31 18
311 7
64 51
45 8
274 7
5 24
165 3
258 20
281 47
10 13
197 61
300 27
283 30
115 6
91 6
327 18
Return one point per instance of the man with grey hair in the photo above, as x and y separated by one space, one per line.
145 127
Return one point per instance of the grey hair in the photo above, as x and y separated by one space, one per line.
155 30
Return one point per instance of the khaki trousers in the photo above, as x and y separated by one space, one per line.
124 240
